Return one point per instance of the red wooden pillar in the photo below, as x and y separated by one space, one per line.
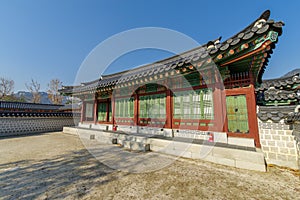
219 99
224 108
107 110
136 109
82 111
95 110
218 108
253 123
169 111
113 109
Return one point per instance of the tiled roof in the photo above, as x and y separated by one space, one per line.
212 49
293 117
38 114
74 106
279 82
274 113
279 89
277 94
6 105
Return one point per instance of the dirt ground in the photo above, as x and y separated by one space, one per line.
57 166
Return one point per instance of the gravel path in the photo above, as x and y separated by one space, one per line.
56 166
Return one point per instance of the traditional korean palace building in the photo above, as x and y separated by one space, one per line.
207 89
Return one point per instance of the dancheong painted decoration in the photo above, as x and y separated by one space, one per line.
211 88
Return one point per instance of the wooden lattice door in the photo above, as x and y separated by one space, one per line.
237 114
104 112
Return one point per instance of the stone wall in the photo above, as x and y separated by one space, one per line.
294 119
278 143
296 133
26 125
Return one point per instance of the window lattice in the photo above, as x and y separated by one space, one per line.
152 106
194 104
124 107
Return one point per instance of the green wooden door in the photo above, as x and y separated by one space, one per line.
104 115
102 110
237 114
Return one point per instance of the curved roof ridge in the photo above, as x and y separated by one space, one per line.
280 78
155 64
265 15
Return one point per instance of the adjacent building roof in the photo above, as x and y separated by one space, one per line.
284 89
73 106
284 82
274 113
293 117
20 109
278 98
252 46
7 105
39 114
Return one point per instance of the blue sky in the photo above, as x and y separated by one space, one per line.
50 39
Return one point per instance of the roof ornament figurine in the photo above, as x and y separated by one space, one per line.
260 23
210 45
217 41
213 44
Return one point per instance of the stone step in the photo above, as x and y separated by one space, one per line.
126 144
70 130
133 138
100 136
135 146
238 158
133 142
245 159
246 142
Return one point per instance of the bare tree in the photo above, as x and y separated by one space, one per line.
6 87
34 88
53 94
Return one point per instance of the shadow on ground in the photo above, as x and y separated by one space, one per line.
71 174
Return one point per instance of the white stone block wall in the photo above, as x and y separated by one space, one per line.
278 144
26 125
296 132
